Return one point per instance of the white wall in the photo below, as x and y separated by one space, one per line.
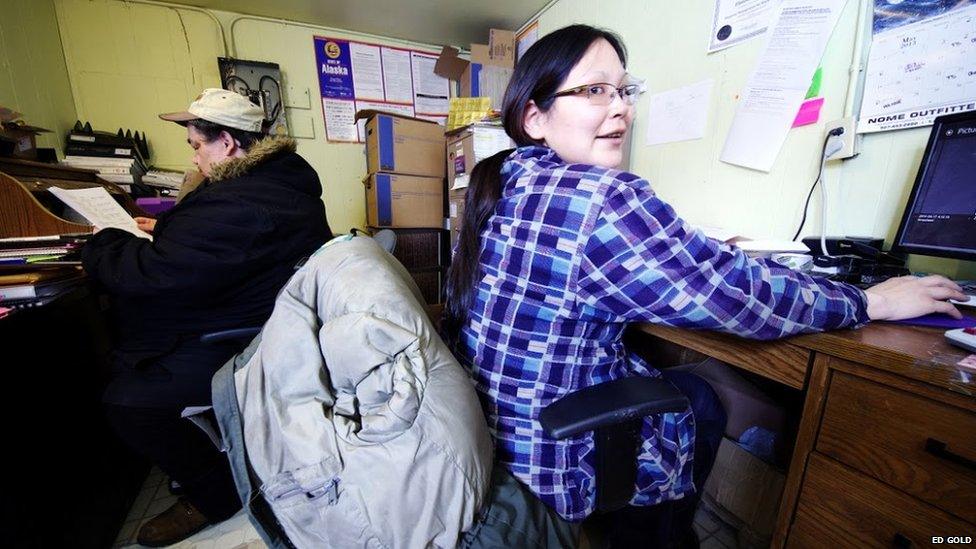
666 41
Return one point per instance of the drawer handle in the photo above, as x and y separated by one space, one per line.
941 450
900 541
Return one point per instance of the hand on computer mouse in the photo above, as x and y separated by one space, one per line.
912 296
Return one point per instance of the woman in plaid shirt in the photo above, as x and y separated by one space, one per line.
559 251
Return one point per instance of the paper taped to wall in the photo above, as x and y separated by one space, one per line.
679 114
780 81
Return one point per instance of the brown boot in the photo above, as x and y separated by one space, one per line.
177 523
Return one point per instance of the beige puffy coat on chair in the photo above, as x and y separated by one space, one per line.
360 427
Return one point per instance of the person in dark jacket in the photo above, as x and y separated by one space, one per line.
216 261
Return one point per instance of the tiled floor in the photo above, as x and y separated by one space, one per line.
238 533
713 533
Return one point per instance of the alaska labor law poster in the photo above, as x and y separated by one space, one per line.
354 76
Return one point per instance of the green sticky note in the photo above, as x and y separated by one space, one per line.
814 90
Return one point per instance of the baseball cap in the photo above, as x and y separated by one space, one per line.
221 107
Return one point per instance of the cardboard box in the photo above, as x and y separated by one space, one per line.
746 488
403 145
20 138
488 71
404 201
456 214
469 145
501 48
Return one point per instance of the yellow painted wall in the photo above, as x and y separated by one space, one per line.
666 42
33 78
148 58
341 166
129 62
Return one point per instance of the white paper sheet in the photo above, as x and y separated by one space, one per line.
396 75
679 114
779 83
431 91
368 69
99 208
340 124
771 245
738 21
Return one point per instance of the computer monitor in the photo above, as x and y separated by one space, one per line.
940 218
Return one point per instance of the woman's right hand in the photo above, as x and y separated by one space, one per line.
911 296
146 224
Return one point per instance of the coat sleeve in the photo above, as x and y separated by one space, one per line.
207 246
643 263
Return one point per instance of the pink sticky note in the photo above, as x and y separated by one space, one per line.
809 112
968 362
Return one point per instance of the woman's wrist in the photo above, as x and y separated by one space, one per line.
877 306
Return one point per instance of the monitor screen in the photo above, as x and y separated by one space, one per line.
940 218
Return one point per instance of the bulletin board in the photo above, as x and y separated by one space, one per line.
355 75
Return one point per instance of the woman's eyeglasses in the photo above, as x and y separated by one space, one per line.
603 93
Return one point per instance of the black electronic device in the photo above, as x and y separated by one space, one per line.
838 245
940 217
862 269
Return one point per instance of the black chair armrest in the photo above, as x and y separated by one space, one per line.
615 412
236 334
610 403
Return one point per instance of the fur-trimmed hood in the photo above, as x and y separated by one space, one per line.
259 153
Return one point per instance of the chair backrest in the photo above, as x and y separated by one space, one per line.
386 239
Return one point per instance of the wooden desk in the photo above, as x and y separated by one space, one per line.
886 450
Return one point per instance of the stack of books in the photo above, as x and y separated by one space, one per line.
37 250
120 157
35 271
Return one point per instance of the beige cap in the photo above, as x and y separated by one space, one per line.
221 107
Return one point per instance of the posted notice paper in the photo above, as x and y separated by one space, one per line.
679 114
738 21
779 83
99 208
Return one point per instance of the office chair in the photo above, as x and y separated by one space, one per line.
614 410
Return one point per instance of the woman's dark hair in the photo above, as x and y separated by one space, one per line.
538 74
211 130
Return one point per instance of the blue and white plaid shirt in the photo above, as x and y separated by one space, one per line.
572 254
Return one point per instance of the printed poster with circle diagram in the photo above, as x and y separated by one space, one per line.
358 75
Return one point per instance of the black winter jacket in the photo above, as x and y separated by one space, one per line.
217 261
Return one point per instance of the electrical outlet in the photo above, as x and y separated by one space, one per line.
852 141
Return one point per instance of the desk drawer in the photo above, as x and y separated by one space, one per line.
894 436
840 507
